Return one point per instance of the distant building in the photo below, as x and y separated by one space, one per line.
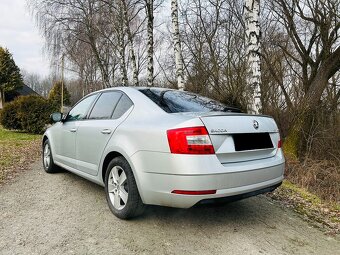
23 91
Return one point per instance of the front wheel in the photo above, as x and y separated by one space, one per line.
47 158
121 190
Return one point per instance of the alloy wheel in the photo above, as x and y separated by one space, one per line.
47 156
118 187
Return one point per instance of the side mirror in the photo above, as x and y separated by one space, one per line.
56 117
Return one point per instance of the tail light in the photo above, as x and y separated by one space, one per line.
193 140
279 144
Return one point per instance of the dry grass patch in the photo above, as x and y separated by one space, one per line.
312 188
320 177
319 213
17 151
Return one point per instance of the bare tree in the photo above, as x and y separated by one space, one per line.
313 43
214 62
40 84
150 17
65 22
252 25
128 32
177 45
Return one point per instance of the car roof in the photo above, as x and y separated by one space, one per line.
127 89
136 96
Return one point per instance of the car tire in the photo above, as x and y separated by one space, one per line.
121 190
47 159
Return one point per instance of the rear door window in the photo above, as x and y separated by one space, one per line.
105 105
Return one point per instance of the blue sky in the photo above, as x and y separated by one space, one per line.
19 34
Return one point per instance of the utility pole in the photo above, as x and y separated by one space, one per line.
62 83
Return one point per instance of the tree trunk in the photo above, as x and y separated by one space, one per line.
2 98
123 71
177 45
310 103
294 139
105 76
121 50
150 17
131 44
252 25
93 44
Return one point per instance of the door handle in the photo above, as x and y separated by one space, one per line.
106 131
73 130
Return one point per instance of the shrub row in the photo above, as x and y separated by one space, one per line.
27 113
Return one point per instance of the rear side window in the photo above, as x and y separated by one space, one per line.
173 101
123 105
105 105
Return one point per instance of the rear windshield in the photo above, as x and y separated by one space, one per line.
173 101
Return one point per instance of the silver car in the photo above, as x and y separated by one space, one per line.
156 146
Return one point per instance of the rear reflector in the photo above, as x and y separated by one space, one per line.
279 144
196 192
193 140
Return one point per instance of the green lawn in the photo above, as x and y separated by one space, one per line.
7 136
17 151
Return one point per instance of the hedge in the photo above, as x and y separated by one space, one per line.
27 113
9 118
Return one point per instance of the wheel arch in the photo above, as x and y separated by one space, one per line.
111 154
44 139
47 136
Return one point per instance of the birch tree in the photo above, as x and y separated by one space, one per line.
252 26
150 18
121 46
177 45
128 32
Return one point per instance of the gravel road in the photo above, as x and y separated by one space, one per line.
65 214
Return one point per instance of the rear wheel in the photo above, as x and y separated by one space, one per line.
121 190
47 158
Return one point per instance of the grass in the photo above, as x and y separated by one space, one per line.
17 151
320 177
7 136
318 212
312 190
311 198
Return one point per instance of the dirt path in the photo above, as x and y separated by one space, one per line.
64 214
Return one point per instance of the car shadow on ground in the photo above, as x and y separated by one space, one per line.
248 211
242 211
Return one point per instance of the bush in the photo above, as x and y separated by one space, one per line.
27 113
321 177
9 117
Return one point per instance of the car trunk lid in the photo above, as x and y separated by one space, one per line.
241 137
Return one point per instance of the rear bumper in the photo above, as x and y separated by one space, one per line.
159 175
240 196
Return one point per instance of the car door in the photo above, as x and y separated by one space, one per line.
94 133
66 139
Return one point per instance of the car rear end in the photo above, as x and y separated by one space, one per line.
211 156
